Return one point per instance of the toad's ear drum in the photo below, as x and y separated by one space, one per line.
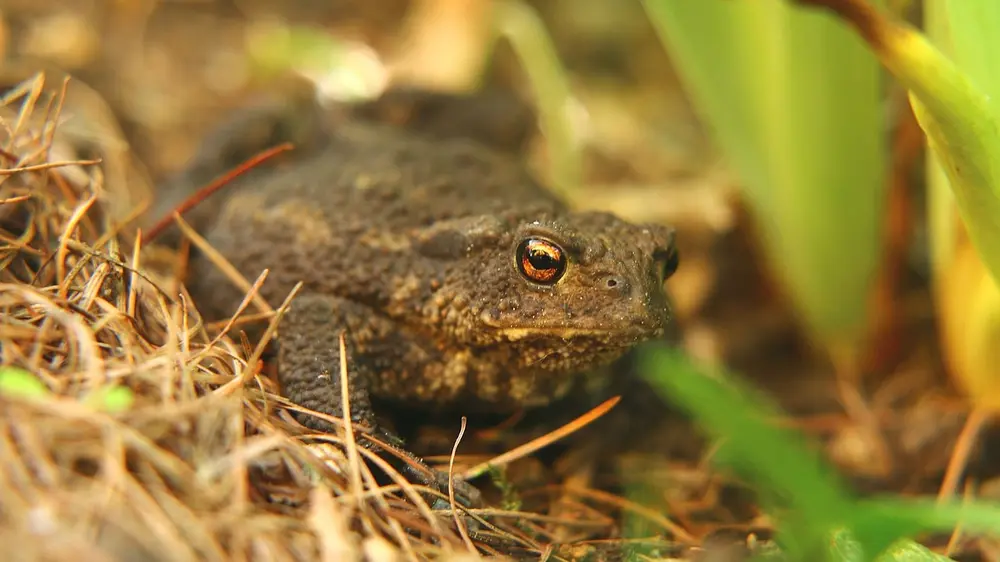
457 238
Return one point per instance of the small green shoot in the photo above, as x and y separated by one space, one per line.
510 501
18 383
111 399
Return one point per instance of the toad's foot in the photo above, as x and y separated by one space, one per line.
309 373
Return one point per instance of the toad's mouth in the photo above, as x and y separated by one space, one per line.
610 329
624 334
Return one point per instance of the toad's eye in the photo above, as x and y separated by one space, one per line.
541 261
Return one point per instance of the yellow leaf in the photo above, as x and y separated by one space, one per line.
970 326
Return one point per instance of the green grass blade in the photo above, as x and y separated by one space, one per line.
808 500
906 517
520 24
786 473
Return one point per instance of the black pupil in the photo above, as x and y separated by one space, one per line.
541 259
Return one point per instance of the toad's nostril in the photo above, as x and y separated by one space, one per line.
615 283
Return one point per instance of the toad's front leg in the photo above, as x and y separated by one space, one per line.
310 374
309 359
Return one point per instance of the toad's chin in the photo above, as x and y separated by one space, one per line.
567 355
572 348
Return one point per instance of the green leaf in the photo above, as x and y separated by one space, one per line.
958 116
795 103
974 42
968 298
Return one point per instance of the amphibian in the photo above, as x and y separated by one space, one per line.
458 279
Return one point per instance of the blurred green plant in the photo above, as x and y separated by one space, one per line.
817 517
953 100
20 384
954 89
794 101
968 296
519 24
345 70
113 399
312 52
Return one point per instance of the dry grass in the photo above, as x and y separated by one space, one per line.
154 437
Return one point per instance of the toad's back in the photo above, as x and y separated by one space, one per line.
342 220
373 176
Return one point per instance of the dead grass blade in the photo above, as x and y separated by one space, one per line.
543 441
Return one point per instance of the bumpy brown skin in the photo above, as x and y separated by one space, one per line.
409 246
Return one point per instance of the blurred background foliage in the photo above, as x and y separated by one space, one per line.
821 258
795 101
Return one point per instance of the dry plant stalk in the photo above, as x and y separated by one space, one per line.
130 430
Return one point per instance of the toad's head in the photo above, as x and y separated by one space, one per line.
560 292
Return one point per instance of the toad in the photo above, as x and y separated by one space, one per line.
457 278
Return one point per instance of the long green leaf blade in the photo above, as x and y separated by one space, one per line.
794 102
